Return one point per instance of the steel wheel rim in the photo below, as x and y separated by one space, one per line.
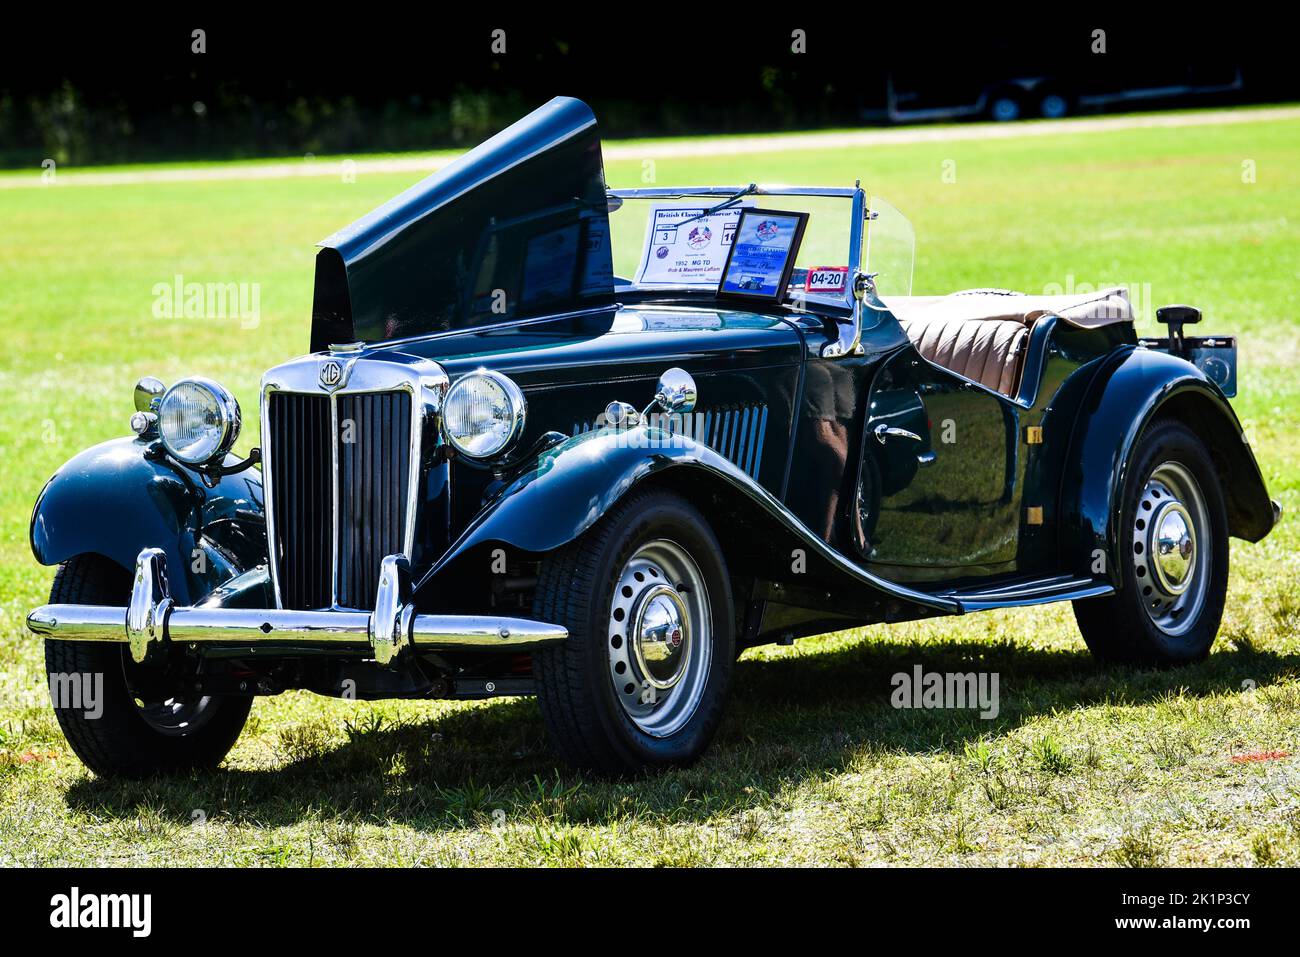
660 638
173 717
176 717
1170 548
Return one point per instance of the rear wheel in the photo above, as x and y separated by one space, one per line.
1053 106
1175 571
641 680
118 723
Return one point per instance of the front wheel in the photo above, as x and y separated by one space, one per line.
1175 557
1005 108
109 707
641 680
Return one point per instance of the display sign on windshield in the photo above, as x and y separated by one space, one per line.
763 253
686 245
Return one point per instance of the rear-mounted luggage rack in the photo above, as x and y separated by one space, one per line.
1216 356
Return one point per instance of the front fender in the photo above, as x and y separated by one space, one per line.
1136 387
116 498
573 484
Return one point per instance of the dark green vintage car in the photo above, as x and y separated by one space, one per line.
538 448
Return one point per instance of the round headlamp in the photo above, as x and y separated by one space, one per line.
482 414
198 421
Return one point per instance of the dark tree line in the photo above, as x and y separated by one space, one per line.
129 92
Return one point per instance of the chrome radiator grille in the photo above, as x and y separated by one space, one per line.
373 485
340 482
302 497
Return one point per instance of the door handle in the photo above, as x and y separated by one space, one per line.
883 432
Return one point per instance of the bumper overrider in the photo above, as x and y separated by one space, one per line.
152 621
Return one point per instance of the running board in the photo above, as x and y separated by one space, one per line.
1030 591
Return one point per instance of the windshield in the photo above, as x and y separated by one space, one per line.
680 242
891 248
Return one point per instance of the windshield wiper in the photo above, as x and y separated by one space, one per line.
725 204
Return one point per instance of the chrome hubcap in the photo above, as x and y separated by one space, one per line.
1172 547
662 636
660 641
1170 525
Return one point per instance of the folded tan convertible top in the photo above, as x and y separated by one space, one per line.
1089 310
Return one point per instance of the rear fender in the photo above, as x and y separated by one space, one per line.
1139 386
120 497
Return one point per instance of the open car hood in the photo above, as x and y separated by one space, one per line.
516 227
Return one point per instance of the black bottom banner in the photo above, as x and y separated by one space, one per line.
484 906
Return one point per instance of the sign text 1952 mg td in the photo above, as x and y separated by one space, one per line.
589 444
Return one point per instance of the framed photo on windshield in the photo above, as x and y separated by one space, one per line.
762 254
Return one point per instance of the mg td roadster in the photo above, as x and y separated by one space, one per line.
589 444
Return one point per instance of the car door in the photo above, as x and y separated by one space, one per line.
938 486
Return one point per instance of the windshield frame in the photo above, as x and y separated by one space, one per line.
857 218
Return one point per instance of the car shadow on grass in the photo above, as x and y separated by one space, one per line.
790 719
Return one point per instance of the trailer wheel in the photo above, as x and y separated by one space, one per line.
1005 107
1053 106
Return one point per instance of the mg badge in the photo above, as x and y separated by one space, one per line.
331 373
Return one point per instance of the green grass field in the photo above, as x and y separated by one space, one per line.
812 766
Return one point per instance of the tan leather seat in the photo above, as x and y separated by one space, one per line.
988 350
982 334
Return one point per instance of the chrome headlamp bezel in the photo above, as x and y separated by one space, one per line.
230 420
518 412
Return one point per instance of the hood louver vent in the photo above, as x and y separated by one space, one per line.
735 433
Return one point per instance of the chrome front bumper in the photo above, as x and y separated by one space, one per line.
152 620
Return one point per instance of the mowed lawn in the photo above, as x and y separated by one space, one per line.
812 766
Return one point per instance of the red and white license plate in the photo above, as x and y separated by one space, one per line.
827 279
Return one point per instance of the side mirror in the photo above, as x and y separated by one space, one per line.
676 391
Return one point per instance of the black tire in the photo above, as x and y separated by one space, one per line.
1054 104
1120 628
586 721
119 741
1005 106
